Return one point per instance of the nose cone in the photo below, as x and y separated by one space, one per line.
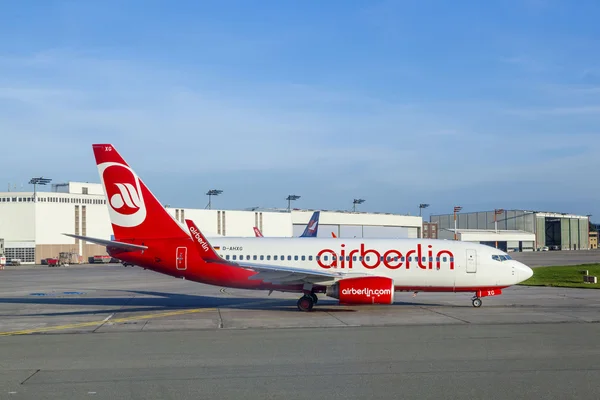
523 272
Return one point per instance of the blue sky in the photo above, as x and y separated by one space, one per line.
486 105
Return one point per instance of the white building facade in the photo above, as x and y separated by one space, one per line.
32 226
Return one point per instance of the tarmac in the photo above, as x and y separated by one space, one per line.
113 332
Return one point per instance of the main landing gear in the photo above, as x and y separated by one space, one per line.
307 302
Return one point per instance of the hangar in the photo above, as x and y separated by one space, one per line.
32 224
522 230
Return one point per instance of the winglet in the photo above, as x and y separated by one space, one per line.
257 232
333 235
204 248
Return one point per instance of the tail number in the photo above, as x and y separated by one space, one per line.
489 292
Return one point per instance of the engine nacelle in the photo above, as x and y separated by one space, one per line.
363 290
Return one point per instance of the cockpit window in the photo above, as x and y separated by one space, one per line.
501 257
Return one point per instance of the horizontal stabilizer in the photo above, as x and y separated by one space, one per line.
111 243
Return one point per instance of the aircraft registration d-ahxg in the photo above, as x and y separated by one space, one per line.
354 271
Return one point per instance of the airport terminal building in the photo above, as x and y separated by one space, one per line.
518 230
32 226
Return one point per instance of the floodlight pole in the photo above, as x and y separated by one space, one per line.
210 193
38 181
496 212
456 209
290 198
355 202
421 207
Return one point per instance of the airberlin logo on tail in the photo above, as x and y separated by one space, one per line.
199 238
128 197
124 194
392 259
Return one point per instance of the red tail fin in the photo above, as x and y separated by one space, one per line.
134 211
204 248
257 232
333 235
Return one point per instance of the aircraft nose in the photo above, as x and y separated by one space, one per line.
523 272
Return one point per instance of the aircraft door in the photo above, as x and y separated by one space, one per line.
471 261
181 258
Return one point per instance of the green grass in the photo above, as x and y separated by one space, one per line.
564 276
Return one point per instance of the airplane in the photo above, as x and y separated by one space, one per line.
310 230
353 271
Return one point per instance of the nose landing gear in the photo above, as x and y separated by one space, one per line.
484 293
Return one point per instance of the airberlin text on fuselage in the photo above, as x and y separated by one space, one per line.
392 259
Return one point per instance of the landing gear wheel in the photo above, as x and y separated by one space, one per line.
305 303
314 297
476 302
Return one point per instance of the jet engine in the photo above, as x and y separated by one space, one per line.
363 290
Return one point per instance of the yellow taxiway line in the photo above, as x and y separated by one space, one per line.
112 321
125 319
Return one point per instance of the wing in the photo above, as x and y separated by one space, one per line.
278 274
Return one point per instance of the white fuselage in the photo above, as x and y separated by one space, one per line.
411 263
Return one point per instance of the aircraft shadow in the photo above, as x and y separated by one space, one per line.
162 301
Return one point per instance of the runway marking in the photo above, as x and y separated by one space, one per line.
126 319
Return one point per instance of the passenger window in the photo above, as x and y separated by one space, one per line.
309 258
326 258
353 258
247 257
369 257
269 257
262 258
289 258
303 258
445 259
254 257
295 258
